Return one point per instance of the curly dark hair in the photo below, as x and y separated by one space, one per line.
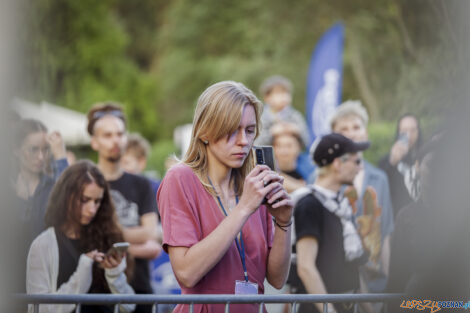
65 205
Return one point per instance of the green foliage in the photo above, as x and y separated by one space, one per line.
156 57
77 56
381 136
159 154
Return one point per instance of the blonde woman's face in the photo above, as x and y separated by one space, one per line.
232 150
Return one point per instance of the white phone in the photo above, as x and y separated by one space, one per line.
118 248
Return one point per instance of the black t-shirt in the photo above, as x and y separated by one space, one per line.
312 219
69 255
133 197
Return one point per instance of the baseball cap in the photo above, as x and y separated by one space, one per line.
333 146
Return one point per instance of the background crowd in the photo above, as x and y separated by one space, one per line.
396 213
345 214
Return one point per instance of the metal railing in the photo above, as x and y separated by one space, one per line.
154 300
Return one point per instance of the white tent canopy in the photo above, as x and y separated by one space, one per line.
71 124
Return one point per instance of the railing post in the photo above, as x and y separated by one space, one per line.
294 307
227 307
36 308
325 307
79 308
261 304
191 308
116 308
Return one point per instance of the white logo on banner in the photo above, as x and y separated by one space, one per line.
325 103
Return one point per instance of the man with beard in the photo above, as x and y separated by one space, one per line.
329 248
132 195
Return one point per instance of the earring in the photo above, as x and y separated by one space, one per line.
206 142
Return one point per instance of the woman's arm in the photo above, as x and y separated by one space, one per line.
279 258
117 282
280 206
39 276
191 264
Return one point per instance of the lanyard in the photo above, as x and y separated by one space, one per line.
241 245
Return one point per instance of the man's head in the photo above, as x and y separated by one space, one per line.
107 127
277 92
135 156
350 119
337 156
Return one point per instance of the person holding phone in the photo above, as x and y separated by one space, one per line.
220 238
400 164
68 257
32 181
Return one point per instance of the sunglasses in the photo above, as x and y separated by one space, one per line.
358 161
99 114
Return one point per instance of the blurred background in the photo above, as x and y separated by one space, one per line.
155 57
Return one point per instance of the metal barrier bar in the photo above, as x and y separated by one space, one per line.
325 307
202 298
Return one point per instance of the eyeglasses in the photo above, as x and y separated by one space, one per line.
35 150
99 114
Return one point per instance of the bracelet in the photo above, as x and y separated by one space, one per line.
283 227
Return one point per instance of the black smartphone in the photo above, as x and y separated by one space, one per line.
265 155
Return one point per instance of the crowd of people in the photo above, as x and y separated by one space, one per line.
324 222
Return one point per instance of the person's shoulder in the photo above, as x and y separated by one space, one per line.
308 201
135 180
373 170
180 170
44 239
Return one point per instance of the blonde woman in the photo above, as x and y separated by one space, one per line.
220 237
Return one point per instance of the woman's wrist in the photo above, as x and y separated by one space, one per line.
282 225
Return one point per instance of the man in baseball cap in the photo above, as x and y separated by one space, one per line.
329 248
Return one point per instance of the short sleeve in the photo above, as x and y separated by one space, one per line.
148 202
307 217
178 208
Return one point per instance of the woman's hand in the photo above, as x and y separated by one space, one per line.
262 183
112 260
279 203
95 256
397 152
57 145
257 186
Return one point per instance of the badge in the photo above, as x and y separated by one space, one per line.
245 288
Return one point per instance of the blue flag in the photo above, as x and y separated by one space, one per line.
324 81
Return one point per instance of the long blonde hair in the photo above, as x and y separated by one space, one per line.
218 113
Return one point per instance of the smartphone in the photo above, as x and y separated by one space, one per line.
118 248
265 155
403 138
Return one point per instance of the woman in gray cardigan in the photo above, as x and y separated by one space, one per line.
68 257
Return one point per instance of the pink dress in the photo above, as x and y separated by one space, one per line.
189 214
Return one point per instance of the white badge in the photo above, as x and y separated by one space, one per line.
245 288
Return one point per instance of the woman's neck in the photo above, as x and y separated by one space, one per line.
220 177
26 183
71 230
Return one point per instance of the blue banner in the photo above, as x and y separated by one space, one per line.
324 81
